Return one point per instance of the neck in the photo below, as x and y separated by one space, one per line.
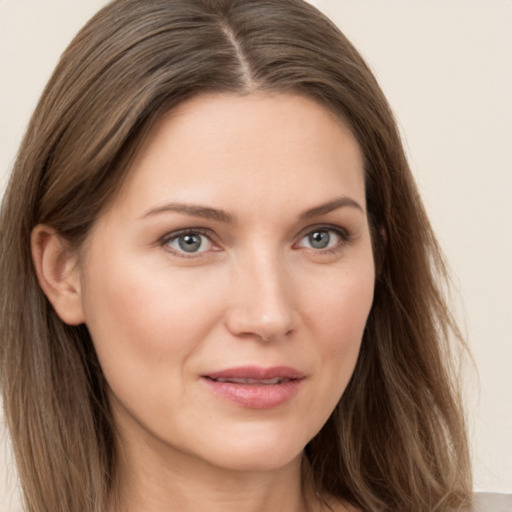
169 481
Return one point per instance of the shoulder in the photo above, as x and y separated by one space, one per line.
483 502
335 505
492 502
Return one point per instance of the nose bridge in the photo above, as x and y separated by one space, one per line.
262 296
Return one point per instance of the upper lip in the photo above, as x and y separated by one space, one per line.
257 373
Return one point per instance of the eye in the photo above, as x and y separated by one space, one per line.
189 242
323 238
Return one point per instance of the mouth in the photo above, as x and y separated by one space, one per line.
254 387
253 382
255 375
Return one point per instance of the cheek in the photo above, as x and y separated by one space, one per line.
146 332
139 317
339 304
337 318
344 318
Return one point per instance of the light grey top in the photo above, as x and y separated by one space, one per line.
492 502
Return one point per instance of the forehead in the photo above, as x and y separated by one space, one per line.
257 147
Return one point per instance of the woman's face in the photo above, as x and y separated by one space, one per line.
227 287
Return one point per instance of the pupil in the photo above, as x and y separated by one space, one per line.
319 239
189 243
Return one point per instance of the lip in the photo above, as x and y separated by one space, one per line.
255 387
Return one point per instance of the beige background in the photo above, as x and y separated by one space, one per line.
446 67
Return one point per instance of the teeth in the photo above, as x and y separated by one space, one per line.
275 380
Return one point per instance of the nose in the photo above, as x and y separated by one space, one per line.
262 301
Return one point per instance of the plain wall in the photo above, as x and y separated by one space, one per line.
446 68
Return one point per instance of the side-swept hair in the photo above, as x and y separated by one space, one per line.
396 441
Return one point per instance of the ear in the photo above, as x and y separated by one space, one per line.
58 273
383 236
380 243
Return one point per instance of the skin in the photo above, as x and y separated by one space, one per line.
257 291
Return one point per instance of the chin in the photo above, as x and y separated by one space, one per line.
256 451
259 460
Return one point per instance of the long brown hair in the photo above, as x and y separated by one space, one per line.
396 441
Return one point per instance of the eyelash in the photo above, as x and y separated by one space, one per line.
344 239
175 235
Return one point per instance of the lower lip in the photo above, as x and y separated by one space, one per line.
256 396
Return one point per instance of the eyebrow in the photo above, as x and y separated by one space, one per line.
206 212
323 209
193 210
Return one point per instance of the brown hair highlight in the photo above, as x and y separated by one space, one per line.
396 441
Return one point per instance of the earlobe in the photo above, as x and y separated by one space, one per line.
58 273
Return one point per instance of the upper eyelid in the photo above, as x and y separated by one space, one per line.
174 234
209 232
345 238
164 243
343 232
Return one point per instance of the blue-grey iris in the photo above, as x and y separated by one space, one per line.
189 242
319 239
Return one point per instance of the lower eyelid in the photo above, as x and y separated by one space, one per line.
342 234
344 238
169 238
208 243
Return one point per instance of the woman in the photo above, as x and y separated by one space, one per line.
222 289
